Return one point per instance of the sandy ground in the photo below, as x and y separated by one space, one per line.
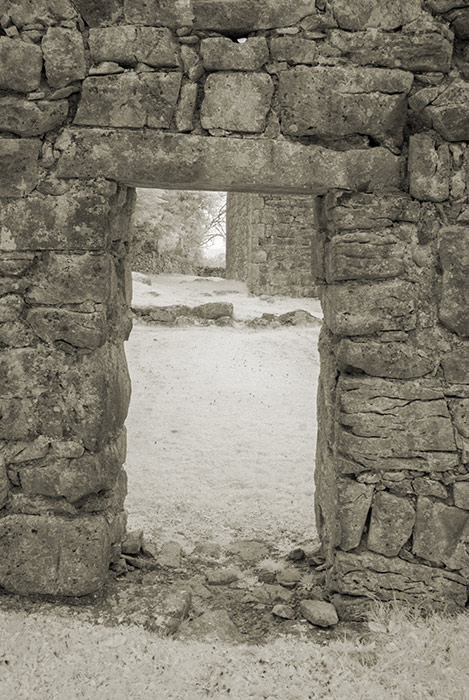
221 433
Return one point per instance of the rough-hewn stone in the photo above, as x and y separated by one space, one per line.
424 486
148 99
349 211
438 528
64 56
197 162
236 101
459 409
82 330
71 279
358 309
354 502
220 53
20 65
130 45
389 578
461 494
456 365
103 13
294 49
354 15
53 555
319 613
336 102
448 112
454 257
364 255
391 524
400 360
4 483
27 118
184 117
27 12
20 167
429 168
419 51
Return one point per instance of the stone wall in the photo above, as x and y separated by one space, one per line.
361 104
270 242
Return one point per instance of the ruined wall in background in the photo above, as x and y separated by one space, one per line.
270 243
363 104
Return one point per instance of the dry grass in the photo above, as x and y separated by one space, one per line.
402 657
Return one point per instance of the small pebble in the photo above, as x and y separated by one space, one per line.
286 612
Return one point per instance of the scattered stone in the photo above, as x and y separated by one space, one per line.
120 567
149 549
249 551
283 611
134 562
211 626
319 613
222 577
198 589
209 549
170 555
174 609
296 554
214 310
133 542
288 578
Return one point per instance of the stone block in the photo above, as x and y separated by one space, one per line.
448 112
391 524
414 51
459 409
460 23
20 65
424 486
152 159
130 45
71 279
106 12
236 101
15 334
335 101
364 255
221 53
461 494
27 12
184 117
11 306
4 483
354 15
438 528
399 360
27 118
20 168
454 257
456 365
225 16
53 555
73 479
350 211
386 425
64 56
294 49
359 309
129 99
76 220
354 502
82 330
392 579
429 168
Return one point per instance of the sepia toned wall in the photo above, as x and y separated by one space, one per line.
363 105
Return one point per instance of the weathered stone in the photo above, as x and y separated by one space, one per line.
289 577
438 528
214 310
454 257
294 49
4 483
369 14
105 68
129 99
364 255
133 542
36 12
170 555
198 162
77 220
285 612
11 306
220 53
249 551
222 577
27 118
350 211
352 608
71 279
391 524
219 15
448 112
461 494
53 555
441 6
429 168
64 56
389 578
456 365
459 409
16 334
66 448
424 486
211 626
361 309
410 50
193 64
460 23
95 14
354 502
393 360
319 613
20 169
236 101
385 423
184 117
337 101
129 45
82 330
20 65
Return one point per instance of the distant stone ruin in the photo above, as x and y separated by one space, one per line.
362 105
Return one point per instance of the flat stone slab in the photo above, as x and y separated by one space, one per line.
153 159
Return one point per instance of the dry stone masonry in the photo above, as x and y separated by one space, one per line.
361 105
271 242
